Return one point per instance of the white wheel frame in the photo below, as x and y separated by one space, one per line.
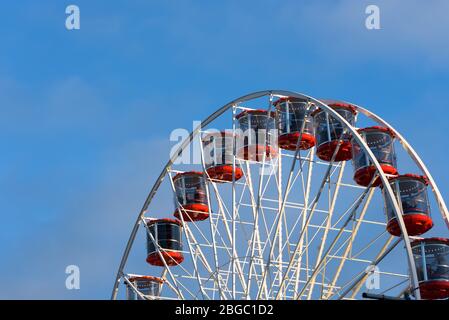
353 131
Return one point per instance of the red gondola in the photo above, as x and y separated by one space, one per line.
218 157
190 188
167 234
291 114
412 190
432 267
147 285
258 135
329 131
381 142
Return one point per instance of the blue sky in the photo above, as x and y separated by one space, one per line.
86 114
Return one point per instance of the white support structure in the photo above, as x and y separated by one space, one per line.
286 229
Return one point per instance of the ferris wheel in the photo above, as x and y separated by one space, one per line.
285 196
